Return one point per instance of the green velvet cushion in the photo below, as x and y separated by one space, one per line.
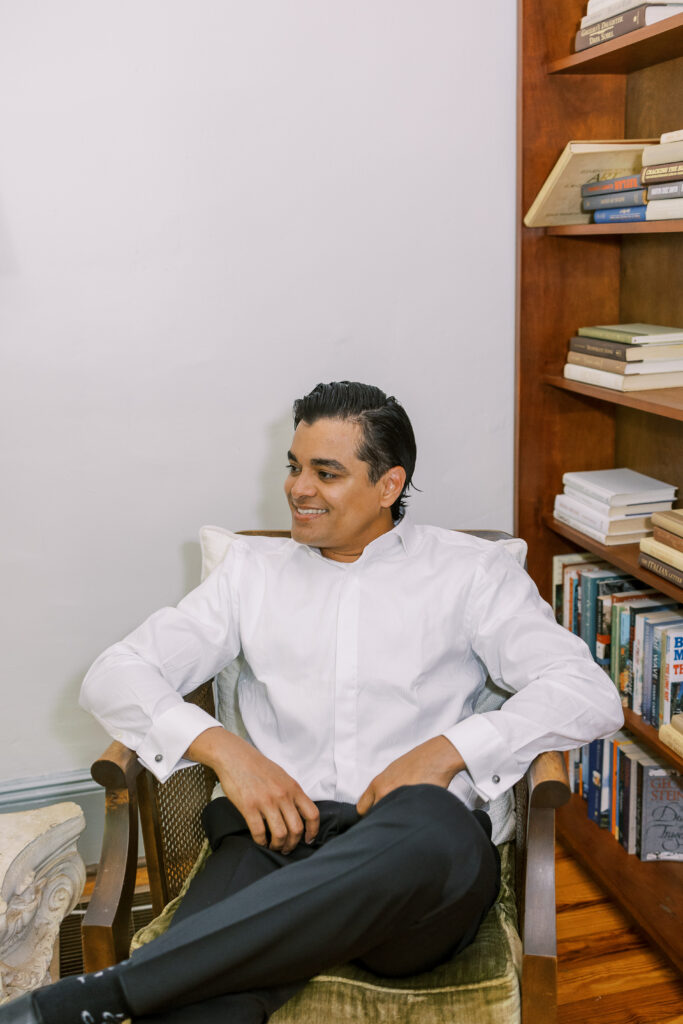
479 986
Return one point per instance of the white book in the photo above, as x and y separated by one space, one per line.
664 209
663 153
609 539
655 366
621 486
640 508
608 9
571 507
676 136
619 381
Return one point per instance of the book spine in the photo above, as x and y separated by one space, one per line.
623 214
672 523
595 750
667 572
598 362
670 539
662 172
673 676
600 347
622 184
611 28
656 667
636 197
673 190
661 832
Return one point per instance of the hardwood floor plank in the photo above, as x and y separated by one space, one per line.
655 1004
575 921
588 976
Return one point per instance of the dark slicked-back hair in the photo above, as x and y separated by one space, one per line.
388 438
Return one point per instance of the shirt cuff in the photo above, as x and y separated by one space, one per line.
489 763
163 747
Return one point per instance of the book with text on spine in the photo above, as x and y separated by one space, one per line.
635 197
629 368
661 823
625 214
608 539
620 382
623 351
598 32
667 572
666 190
625 184
661 172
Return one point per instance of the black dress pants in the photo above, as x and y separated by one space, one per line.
398 891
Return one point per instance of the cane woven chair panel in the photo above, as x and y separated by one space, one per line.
179 803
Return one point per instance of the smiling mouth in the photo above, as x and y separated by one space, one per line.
309 513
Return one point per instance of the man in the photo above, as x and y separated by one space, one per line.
352 825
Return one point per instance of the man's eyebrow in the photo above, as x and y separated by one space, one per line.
328 463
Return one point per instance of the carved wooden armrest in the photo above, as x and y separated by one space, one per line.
548 789
105 927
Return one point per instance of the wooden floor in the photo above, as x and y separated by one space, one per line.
608 974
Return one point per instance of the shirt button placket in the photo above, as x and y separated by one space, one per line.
346 686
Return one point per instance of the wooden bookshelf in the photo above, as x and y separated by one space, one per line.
648 734
642 227
649 892
631 87
666 402
623 556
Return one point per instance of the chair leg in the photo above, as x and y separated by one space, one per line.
539 990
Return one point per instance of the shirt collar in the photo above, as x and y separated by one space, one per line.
401 538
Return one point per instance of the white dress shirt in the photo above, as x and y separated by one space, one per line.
346 666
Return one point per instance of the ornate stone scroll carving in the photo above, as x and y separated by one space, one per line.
41 879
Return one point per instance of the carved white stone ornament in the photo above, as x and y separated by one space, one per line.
41 879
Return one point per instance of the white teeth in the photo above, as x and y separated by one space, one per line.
311 511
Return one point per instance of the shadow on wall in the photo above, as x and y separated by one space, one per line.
273 513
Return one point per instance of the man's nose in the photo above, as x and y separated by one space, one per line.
303 485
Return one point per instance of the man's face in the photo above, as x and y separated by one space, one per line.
334 505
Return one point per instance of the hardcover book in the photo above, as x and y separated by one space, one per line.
671 520
621 486
634 197
662 552
661 209
621 351
559 200
661 822
621 24
668 190
625 367
633 334
622 215
667 572
620 382
670 539
605 186
661 172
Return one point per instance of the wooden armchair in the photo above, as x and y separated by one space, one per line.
497 980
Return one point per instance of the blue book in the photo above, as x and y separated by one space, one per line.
595 755
627 213
585 770
612 200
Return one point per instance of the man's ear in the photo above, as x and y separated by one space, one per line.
392 484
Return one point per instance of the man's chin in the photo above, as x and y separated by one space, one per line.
307 533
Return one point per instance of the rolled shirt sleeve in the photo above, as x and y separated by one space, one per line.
560 697
135 688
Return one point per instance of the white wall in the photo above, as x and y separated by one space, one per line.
206 208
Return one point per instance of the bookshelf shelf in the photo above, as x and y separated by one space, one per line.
648 734
632 52
653 227
649 892
666 402
624 556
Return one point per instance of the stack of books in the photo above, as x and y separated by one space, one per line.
636 796
627 357
663 175
607 19
615 199
663 552
613 506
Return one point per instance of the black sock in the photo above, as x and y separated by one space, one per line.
83 999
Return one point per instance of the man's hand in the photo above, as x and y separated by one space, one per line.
262 791
435 761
